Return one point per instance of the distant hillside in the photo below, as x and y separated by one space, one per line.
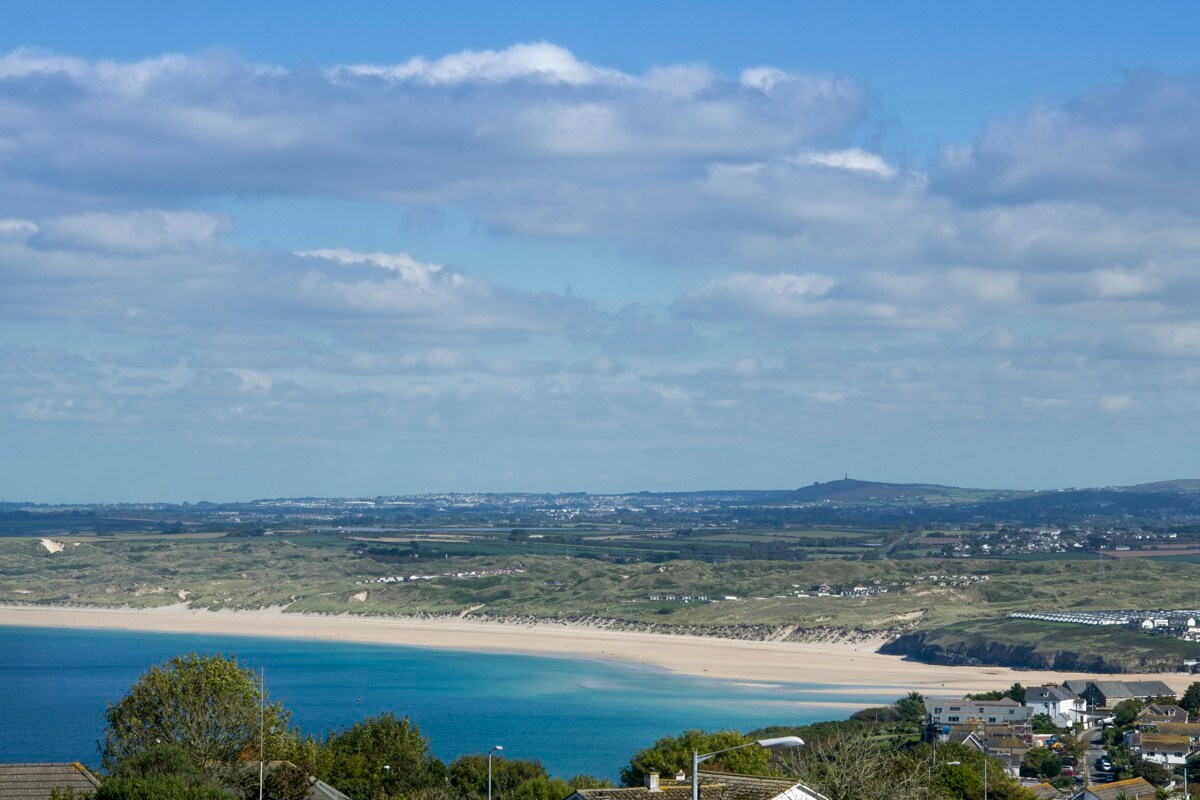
1183 486
849 490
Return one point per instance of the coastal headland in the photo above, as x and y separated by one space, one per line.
828 667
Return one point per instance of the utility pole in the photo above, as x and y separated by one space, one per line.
262 709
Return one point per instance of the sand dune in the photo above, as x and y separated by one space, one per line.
831 668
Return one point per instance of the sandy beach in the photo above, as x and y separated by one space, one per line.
833 667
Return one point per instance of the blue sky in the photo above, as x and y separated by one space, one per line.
382 248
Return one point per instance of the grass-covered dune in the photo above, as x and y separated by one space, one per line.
1045 645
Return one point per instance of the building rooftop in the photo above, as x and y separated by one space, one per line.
1132 789
36 781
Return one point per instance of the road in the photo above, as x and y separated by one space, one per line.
1091 738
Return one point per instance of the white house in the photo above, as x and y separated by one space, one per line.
1056 702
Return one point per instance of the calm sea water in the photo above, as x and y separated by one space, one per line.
575 715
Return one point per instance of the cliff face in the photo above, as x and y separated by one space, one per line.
968 648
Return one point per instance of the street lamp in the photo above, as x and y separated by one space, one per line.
493 750
956 763
782 743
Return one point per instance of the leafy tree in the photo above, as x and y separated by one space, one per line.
1016 692
513 780
1190 701
163 787
379 755
164 772
68 794
1157 774
670 754
1042 723
1071 745
911 707
1041 762
1126 712
207 705
468 775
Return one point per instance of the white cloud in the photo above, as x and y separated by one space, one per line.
138 232
540 61
851 159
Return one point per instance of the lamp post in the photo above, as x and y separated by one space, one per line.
781 743
493 750
985 785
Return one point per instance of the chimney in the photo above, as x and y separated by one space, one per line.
651 780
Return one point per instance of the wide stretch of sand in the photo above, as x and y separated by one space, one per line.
835 668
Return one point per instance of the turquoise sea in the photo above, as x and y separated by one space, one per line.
572 714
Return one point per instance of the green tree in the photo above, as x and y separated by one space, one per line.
911 707
1190 701
379 755
1042 723
468 775
1016 692
206 705
1041 762
670 754
164 772
1126 712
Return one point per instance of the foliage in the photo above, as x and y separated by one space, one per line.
68 794
1126 712
163 771
878 714
964 780
853 767
1015 692
1157 774
207 705
670 754
1041 762
163 787
379 755
911 707
1190 701
1042 723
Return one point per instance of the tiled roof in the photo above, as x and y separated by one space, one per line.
35 781
1165 712
1178 728
671 791
746 787
1045 791
1115 690
1006 702
1134 789
1054 694
1158 743
713 786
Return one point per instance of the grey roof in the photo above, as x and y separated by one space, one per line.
1134 789
320 790
1041 694
1005 702
35 781
713 786
747 787
1121 690
667 791
1128 689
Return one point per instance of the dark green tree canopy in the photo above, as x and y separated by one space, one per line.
1190 701
384 754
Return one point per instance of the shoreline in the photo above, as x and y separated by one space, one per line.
827 668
